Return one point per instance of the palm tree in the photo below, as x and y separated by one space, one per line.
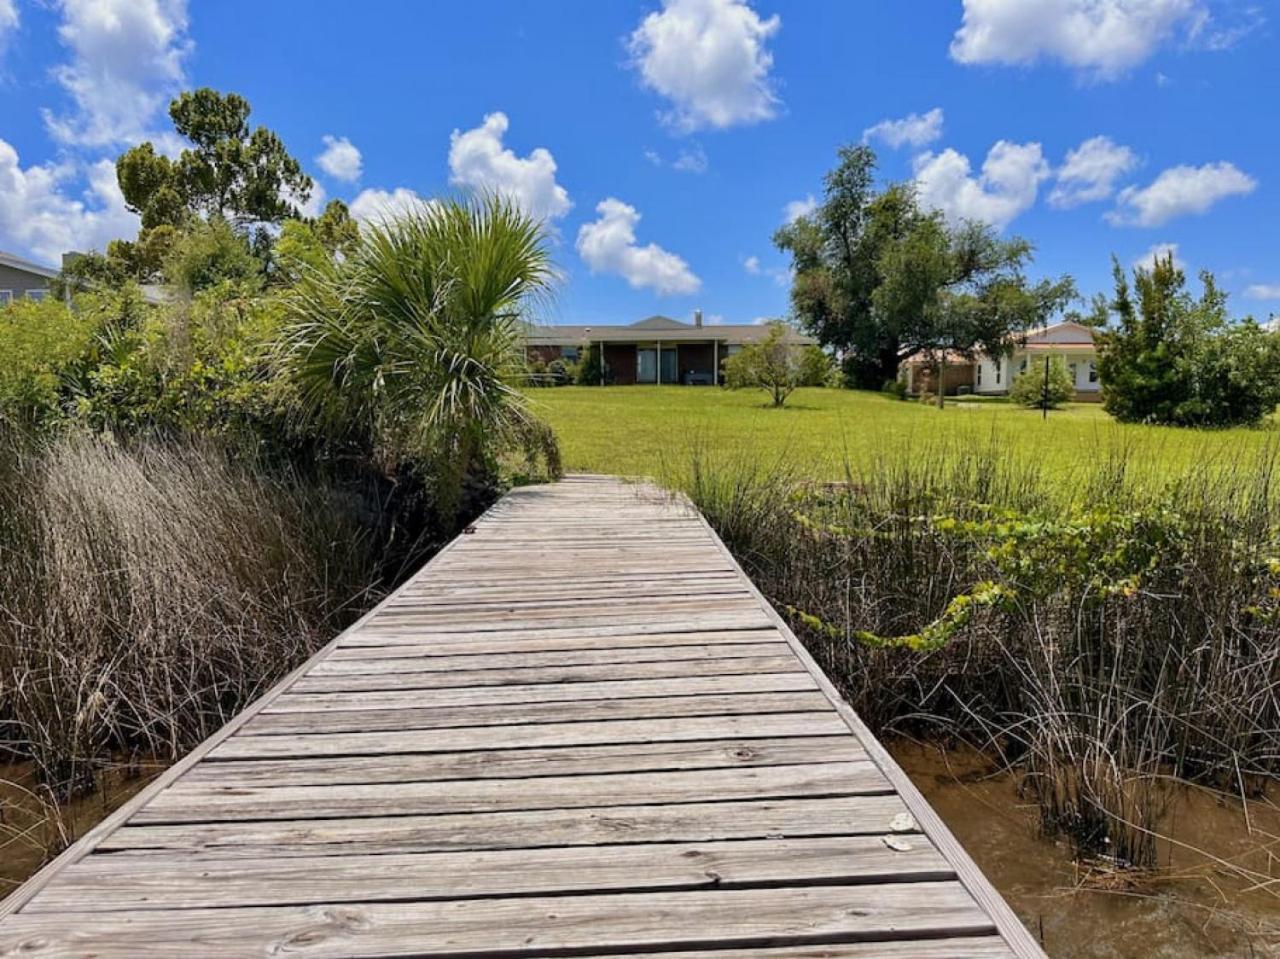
414 340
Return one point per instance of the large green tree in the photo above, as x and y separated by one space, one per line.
1169 357
960 290
879 280
243 175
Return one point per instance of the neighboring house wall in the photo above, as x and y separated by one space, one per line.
16 283
955 376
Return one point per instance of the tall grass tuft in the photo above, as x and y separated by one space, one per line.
1103 636
148 592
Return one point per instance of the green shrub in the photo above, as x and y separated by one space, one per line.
772 364
1033 389
41 342
897 388
1171 358
817 368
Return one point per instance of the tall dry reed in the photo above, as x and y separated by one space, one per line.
148 592
1104 637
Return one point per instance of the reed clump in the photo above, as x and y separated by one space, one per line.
1101 636
149 591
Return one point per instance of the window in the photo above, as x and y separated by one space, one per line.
1073 369
1093 372
569 353
36 294
980 366
6 297
999 364
1023 367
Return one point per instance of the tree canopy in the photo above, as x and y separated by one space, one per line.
229 171
1169 357
879 279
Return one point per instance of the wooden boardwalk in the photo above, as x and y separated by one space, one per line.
578 731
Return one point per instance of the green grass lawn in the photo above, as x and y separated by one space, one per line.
652 431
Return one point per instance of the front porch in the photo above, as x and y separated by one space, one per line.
653 362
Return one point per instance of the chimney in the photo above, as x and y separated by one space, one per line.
697 318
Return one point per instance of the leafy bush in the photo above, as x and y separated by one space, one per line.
590 370
1033 389
817 368
208 253
897 388
1170 358
41 341
772 364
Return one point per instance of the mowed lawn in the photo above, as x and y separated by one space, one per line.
654 431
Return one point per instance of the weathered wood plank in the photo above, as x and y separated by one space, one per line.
546 734
210 802
615 689
602 825
527 927
529 763
527 675
435 659
427 715
115 883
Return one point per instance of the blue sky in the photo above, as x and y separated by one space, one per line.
665 141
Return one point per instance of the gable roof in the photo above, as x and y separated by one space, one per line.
671 331
1066 333
659 322
26 266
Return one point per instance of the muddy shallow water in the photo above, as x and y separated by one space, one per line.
30 832
1194 906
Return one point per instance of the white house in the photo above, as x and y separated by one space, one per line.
992 375
1071 341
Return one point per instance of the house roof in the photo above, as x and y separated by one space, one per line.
26 266
654 328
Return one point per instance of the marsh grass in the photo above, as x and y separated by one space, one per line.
149 592
1103 638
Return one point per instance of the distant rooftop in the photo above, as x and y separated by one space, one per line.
28 266
651 329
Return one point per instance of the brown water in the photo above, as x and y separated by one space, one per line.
1192 906
32 831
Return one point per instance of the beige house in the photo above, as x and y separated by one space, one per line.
993 375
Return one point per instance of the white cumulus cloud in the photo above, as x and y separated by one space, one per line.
1090 172
43 217
1159 251
915 129
708 57
608 245
1179 191
1103 38
478 160
752 265
8 23
798 208
374 205
341 158
126 63
1007 185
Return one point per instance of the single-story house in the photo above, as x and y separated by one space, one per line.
21 278
993 375
655 350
